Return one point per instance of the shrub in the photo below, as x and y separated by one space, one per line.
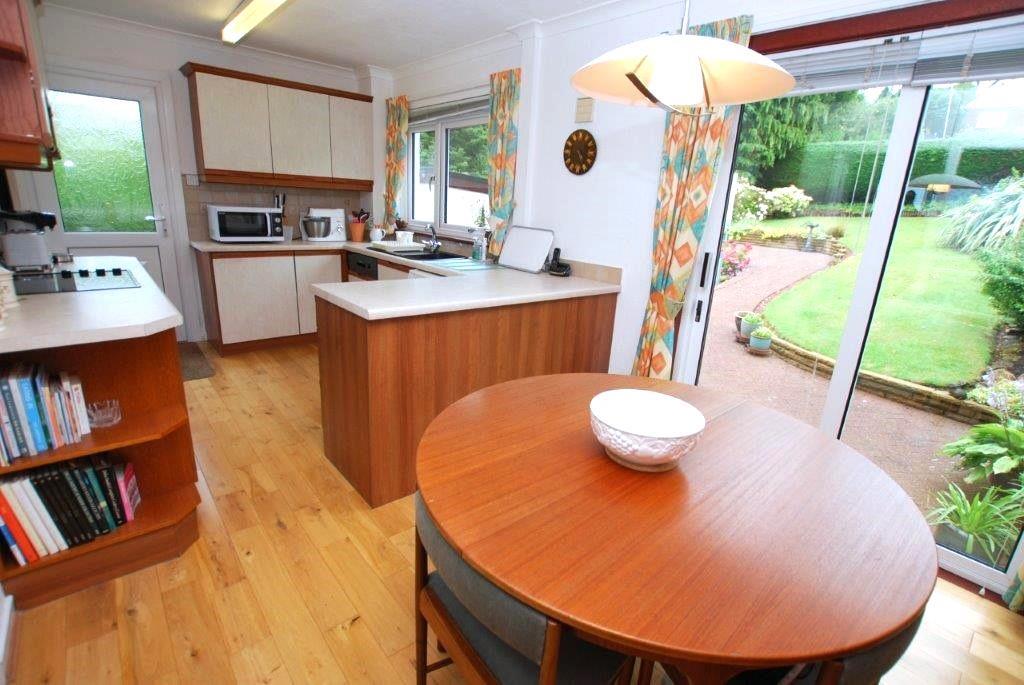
836 231
753 319
751 203
987 221
989 519
735 258
762 332
1003 280
787 202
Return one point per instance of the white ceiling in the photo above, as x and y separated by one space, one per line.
387 33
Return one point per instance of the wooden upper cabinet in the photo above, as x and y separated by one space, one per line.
263 130
25 138
300 132
234 124
351 138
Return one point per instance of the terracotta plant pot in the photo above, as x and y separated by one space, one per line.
357 231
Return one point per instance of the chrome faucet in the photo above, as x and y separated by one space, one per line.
433 243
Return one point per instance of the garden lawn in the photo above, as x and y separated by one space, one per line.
932 324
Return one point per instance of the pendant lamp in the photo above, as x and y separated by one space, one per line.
677 71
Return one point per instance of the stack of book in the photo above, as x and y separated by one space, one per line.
39 411
49 509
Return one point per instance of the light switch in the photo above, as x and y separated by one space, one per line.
584 110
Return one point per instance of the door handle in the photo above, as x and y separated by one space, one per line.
704 270
150 217
700 308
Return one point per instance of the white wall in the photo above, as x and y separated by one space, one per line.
604 216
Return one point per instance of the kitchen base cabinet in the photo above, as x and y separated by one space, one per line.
310 269
256 298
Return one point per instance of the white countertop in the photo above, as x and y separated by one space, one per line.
60 319
470 285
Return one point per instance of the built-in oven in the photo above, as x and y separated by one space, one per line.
245 224
361 267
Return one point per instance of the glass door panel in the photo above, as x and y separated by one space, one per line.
937 403
805 177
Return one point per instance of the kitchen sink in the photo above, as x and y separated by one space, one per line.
424 256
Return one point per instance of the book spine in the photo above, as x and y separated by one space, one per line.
32 414
122 486
46 408
37 522
10 495
69 405
109 482
62 492
82 507
62 411
44 514
41 483
12 413
10 441
19 409
101 499
90 498
11 543
79 396
17 530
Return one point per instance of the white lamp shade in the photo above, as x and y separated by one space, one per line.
683 71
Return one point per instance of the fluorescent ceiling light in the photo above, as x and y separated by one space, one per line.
247 17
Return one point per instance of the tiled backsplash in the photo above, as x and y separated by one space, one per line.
298 202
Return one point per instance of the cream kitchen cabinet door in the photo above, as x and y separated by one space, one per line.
351 139
256 297
310 269
388 273
300 132
234 117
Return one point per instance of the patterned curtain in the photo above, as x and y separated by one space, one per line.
396 144
1014 596
502 142
692 146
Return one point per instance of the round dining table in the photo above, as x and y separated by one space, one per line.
770 544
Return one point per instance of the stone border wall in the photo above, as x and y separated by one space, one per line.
911 394
829 246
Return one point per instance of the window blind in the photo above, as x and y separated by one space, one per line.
984 51
449 110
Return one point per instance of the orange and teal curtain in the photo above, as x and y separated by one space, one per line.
1014 596
396 145
692 147
502 144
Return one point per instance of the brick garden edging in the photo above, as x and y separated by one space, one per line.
911 394
829 246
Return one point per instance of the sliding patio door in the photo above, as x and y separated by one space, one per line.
872 224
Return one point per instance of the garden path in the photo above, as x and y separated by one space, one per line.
901 440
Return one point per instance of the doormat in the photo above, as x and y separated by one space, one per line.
194 364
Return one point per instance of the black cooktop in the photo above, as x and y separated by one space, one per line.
68 281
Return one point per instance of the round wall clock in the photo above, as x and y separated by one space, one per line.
580 151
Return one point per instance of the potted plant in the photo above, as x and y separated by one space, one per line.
749 323
761 339
990 520
738 318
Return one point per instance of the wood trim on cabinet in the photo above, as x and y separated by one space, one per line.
287 180
252 253
21 155
248 345
13 51
190 68
878 24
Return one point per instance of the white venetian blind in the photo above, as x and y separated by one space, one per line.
987 50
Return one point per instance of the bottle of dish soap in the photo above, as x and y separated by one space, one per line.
479 244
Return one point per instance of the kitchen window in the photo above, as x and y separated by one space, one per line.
447 179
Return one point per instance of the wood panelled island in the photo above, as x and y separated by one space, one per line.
394 354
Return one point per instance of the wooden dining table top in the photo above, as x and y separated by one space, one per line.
770 544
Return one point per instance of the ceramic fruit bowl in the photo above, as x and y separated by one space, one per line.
644 430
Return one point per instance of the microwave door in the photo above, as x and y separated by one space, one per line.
243 225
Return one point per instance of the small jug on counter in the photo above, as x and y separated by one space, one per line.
479 244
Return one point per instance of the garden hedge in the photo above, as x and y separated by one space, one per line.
828 171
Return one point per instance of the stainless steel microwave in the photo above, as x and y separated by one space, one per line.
245 224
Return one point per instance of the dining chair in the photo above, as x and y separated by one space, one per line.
862 668
490 636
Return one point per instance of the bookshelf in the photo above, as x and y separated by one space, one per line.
144 375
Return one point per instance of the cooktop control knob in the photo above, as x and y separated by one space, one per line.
101 272
83 273
116 272
65 273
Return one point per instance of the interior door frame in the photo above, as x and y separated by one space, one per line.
883 225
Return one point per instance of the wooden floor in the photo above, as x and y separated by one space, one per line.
295 579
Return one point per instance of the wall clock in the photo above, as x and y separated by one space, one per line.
580 151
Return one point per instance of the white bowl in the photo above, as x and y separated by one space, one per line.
644 430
